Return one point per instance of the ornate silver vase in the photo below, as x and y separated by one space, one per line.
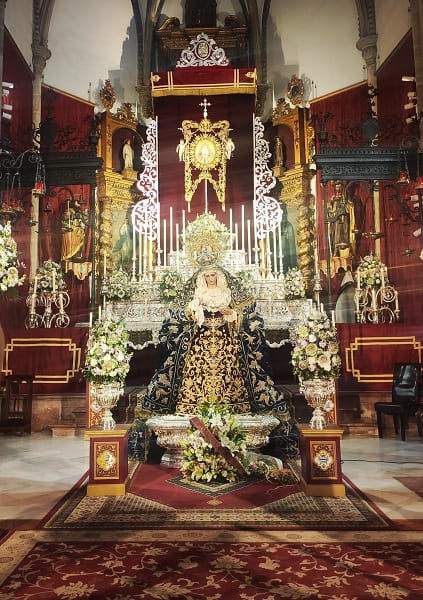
106 396
318 392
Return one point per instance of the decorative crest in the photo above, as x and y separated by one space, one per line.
203 52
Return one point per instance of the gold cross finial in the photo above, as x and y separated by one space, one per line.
205 104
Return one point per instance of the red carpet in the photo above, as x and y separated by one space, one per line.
196 569
167 486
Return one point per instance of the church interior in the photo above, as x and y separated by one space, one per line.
146 149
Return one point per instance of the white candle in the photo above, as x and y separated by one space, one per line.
158 235
333 318
243 228
183 230
54 282
164 243
134 244
280 250
396 301
275 257
90 323
99 313
358 279
139 252
236 241
249 241
382 276
35 284
33 302
145 254
322 308
177 246
230 227
61 301
171 229
268 265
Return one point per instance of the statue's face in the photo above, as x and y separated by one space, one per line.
211 279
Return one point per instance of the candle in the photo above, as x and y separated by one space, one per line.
164 243
236 241
396 301
54 282
33 302
230 227
90 322
333 318
134 244
249 241
99 313
242 228
171 230
358 279
322 308
183 230
280 250
275 258
382 277
61 301
35 284
177 246
139 252
158 235
145 254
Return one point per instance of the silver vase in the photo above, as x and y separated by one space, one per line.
318 392
106 396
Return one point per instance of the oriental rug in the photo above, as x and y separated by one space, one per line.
184 565
160 498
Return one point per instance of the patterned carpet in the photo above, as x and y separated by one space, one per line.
183 565
158 500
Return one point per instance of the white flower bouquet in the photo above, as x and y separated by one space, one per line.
371 272
49 276
316 349
9 262
107 357
170 285
201 462
120 287
294 284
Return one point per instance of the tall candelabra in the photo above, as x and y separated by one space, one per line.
47 309
376 304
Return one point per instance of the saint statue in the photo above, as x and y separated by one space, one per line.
74 225
128 155
341 216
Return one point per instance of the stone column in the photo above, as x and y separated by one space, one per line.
40 55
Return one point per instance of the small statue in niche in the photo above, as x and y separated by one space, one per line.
200 13
128 155
280 153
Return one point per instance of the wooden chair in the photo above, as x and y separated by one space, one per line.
16 404
405 402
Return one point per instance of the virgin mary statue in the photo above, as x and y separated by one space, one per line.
213 345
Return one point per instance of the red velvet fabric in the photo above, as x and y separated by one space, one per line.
54 356
238 110
368 353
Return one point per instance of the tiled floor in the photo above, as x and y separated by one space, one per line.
37 470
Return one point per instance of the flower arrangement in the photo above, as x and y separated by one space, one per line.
49 277
294 284
120 287
107 358
206 239
9 262
200 461
316 349
371 272
246 282
170 285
